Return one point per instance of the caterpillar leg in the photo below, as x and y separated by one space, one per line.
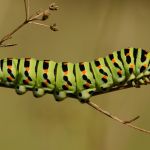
147 80
134 83
21 89
38 92
141 81
85 95
144 80
60 95
131 78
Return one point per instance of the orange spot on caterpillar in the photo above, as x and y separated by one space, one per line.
27 68
9 67
105 77
131 65
66 72
128 54
46 71
145 65
83 72
119 71
113 60
10 78
99 67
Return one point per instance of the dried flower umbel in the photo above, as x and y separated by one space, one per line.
35 18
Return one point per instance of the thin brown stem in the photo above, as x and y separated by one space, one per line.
26 4
128 123
40 24
8 36
8 45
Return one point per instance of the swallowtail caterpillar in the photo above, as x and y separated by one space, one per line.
129 66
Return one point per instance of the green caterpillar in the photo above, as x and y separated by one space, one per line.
126 66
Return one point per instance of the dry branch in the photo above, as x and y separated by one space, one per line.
125 122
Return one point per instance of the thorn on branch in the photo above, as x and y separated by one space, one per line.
133 119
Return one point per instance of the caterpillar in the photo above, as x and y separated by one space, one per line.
129 66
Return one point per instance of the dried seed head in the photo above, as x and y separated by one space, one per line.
53 27
53 6
45 15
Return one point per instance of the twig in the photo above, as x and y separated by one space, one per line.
26 4
53 27
128 122
8 45
42 16
40 24
9 35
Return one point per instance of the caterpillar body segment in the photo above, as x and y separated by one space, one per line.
8 71
129 62
142 65
26 75
65 80
116 67
127 66
85 80
102 74
45 77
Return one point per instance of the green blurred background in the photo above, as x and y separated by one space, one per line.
88 29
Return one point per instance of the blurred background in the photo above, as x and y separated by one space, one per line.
87 29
